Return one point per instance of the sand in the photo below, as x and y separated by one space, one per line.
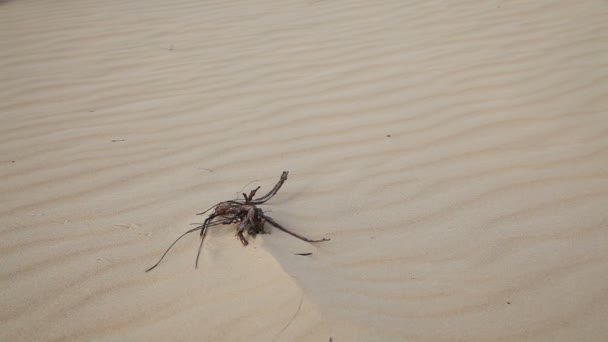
456 153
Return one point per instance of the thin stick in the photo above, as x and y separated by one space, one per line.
246 185
200 247
174 242
215 205
274 223
181 236
272 192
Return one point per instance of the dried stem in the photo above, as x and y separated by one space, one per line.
243 211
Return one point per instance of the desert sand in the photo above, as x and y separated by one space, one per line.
456 153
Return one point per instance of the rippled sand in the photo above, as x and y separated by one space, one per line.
456 153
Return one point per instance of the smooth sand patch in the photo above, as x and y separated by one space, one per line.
456 152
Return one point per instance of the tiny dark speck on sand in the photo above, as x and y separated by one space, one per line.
303 254
388 135
509 303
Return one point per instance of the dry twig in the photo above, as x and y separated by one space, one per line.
245 213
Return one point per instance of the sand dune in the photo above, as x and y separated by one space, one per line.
456 152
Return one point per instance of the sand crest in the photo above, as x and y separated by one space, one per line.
456 153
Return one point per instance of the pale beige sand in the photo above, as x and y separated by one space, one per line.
484 215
